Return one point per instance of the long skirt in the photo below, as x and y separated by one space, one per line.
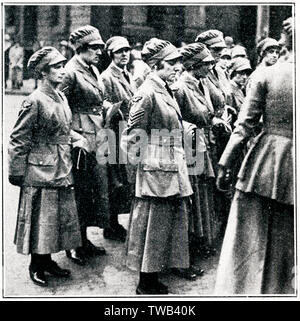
203 221
158 234
257 255
47 220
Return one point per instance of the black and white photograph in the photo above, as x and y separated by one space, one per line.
149 151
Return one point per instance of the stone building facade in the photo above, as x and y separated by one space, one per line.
51 24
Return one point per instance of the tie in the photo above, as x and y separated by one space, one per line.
169 90
92 72
126 76
200 85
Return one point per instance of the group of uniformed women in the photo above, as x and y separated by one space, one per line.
177 124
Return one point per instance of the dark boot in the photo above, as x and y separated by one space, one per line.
149 284
36 270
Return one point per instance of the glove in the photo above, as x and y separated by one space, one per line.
16 180
223 179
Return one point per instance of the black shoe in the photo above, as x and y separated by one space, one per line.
76 257
92 250
116 234
38 277
188 274
53 268
157 289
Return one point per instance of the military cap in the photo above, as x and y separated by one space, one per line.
115 43
212 39
87 35
238 51
240 64
156 50
265 44
46 56
195 53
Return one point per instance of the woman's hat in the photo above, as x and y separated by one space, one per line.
156 50
238 51
265 44
113 44
195 53
240 64
212 39
46 56
87 35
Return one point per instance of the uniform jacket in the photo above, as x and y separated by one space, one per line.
267 169
219 87
40 144
238 96
194 106
162 170
85 96
117 88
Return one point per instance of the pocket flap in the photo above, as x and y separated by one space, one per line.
42 159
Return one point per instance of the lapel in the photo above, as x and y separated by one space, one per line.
61 109
212 77
117 73
192 84
158 87
86 73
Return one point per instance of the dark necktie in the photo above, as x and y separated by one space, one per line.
92 72
169 90
200 85
126 76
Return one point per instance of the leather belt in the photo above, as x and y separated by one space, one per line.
94 110
59 140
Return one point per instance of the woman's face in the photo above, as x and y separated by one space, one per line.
56 73
92 55
271 56
241 77
168 72
202 69
121 57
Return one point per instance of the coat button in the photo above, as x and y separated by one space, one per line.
94 109
41 162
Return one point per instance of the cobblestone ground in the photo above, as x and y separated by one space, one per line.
102 277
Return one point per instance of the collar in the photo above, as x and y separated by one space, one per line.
84 64
51 92
158 79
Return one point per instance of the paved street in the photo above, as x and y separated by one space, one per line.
103 276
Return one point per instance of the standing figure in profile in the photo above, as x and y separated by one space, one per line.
40 163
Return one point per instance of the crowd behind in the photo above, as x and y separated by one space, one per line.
179 210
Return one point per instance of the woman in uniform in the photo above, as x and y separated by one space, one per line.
158 228
119 88
196 108
40 163
86 99
257 255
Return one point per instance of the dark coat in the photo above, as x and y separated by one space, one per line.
267 169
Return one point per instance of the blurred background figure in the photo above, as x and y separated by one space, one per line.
225 60
7 45
137 67
229 42
239 51
66 49
16 57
